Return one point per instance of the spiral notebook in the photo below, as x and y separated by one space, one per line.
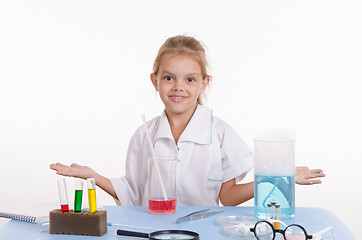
24 217
34 215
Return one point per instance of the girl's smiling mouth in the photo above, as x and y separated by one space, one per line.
177 98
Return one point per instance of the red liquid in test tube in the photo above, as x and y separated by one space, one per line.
64 208
63 197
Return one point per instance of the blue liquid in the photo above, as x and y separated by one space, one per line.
279 189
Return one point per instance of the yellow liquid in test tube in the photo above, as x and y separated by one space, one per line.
92 200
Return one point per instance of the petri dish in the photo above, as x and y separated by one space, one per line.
238 231
226 221
237 226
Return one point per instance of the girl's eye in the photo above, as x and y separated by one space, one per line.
168 78
190 80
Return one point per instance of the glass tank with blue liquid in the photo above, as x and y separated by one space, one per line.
274 179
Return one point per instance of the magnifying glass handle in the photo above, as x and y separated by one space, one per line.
132 234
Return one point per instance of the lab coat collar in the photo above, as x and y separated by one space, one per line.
198 130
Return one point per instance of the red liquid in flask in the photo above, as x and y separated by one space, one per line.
64 208
160 206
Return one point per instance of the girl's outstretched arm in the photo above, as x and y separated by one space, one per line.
305 176
232 194
84 172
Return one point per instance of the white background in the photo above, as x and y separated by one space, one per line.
74 80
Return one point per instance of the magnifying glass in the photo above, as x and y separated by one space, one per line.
164 234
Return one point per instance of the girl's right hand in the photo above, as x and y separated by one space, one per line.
74 170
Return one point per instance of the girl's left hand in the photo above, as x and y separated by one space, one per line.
305 176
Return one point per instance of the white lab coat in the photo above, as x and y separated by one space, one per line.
210 153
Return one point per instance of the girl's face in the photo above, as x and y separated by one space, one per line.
179 82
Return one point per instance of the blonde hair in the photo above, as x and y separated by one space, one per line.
184 45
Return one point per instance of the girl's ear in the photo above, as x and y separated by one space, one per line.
154 80
205 83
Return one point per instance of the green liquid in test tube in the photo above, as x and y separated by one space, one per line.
78 196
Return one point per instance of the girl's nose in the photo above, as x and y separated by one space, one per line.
178 86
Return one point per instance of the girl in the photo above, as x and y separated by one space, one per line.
213 158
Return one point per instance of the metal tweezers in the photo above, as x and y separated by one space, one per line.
196 215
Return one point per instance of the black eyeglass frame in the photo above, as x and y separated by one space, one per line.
307 236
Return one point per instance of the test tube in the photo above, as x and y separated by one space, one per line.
91 182
78 195
277 216
63 197
269 214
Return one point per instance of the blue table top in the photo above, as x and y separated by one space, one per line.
313 219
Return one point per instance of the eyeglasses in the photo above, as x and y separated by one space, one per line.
264 230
